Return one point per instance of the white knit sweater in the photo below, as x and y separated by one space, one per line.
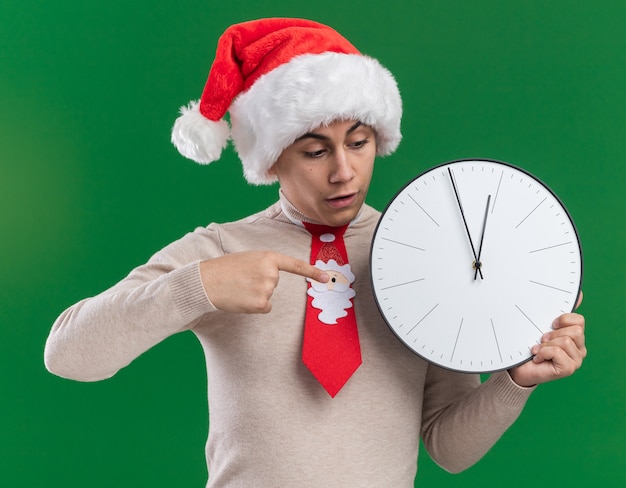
271 423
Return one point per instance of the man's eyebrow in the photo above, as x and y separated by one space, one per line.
321 137
354 127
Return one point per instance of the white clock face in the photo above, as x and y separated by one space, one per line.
472 261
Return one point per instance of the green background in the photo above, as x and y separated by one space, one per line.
90 187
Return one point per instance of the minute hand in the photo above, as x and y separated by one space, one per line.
458 200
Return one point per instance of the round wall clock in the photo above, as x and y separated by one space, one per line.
472 261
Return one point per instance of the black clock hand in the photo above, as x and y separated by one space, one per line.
458 200
479 264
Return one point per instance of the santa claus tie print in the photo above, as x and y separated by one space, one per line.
334 297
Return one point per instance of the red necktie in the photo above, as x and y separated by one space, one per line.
331 347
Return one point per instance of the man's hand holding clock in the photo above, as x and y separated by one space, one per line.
559 355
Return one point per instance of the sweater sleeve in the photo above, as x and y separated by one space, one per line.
98 336
462 419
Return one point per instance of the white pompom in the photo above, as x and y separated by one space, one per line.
198 138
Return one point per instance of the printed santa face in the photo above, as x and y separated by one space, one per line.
334 297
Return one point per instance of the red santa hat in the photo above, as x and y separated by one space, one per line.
329 252
279 79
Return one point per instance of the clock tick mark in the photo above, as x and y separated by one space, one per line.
403 244
550 247
422 319
495 199
422 209
529 319
531 212
548 286
495 336
457 339
401 284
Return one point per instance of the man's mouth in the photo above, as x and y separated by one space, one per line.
342 201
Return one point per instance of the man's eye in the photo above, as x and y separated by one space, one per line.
315 154
359 144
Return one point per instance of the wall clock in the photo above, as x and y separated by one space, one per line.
472 261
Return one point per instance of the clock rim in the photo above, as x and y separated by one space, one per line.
433 168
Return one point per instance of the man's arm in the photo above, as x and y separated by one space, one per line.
98 336
462 419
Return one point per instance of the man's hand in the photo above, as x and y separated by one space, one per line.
245 281
560 353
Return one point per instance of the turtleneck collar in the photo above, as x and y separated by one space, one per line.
297 217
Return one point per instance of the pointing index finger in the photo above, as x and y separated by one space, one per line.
302 268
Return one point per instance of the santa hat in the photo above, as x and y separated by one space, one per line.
279 79
328 251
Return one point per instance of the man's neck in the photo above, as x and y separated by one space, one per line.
297 217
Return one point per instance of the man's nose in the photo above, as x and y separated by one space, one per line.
342 170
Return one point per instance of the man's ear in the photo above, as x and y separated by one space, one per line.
272 170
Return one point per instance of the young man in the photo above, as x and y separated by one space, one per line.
307 386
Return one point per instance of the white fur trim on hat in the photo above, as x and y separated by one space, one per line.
198 138
310 91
